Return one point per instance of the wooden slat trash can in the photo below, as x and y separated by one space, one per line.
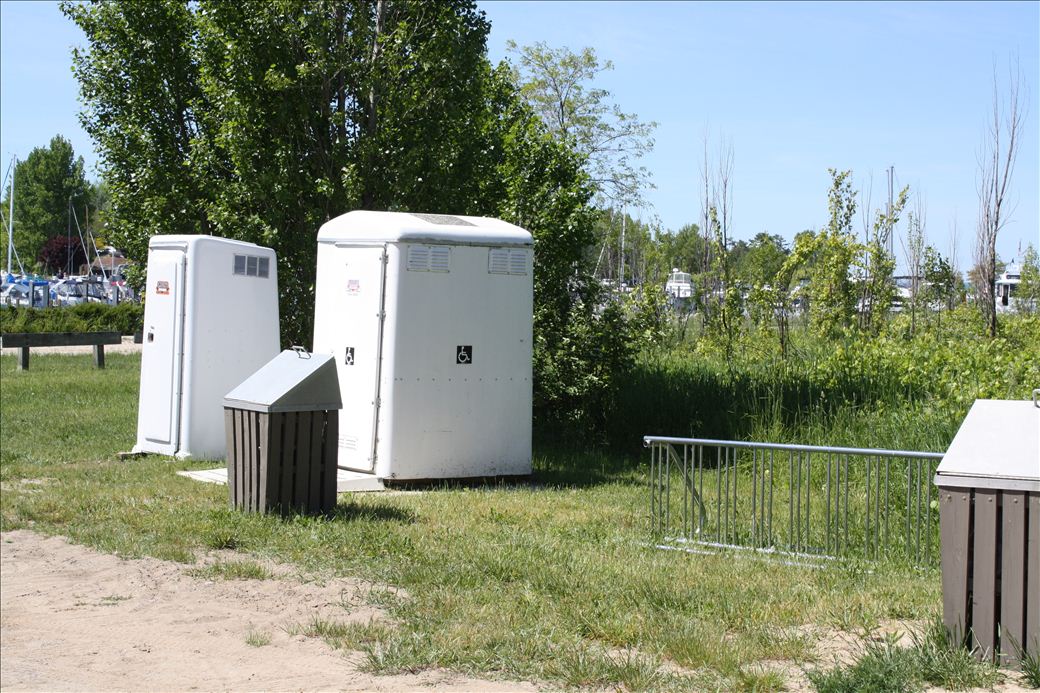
989 524
282 440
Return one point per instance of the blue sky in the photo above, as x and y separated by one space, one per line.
796 88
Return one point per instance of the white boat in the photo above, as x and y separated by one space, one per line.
679 284
1007 286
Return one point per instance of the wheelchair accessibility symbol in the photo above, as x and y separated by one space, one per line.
464 355
349 358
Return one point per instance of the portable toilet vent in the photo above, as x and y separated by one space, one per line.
210 321
989 521
429 318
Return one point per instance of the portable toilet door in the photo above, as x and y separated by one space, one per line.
357 336
158 417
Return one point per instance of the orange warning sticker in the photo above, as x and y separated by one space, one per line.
162 288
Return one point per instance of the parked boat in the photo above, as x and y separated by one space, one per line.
1007 286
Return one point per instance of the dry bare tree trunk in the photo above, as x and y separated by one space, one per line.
723 193
707 231
723 203
996 165
866 302
716 174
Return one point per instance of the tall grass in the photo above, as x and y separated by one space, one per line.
889 391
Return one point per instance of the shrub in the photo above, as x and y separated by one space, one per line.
125 318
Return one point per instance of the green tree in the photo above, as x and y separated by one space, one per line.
759 263
260 121
722 302
682 249
144 108
875 275
44 184
772 301
940 282
828 259
1028 292
617 232
915 247
556 82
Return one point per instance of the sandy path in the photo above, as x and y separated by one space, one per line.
75 619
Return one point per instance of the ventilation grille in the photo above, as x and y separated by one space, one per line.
429 258
443 219
418 258
252 266
507 261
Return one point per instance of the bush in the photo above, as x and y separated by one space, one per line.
125 318
889 390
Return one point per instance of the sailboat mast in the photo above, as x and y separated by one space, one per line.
10 217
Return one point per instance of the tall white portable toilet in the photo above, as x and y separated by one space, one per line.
210 321
429 318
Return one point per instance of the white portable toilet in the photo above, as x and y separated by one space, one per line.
429 318
210 321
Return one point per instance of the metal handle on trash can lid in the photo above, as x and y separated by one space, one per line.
1036 398
301 352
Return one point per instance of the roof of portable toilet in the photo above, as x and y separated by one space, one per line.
294 380
362 226
193 239
997 446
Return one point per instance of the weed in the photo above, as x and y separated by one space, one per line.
1029 662
884 666
346 636
1030 669
113 599
232 570
258 638
222 540
942 662
758 680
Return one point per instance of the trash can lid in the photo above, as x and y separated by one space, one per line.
294 380
997 446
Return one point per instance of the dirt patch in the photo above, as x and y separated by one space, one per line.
75 619
26 485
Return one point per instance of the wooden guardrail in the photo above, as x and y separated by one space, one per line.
28 340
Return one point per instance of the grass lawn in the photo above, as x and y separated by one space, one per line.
552 581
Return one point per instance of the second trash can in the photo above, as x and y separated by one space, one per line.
989 520
281 427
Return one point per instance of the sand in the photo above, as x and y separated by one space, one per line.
73 619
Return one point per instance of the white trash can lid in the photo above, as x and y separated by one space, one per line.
997 446
294 380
